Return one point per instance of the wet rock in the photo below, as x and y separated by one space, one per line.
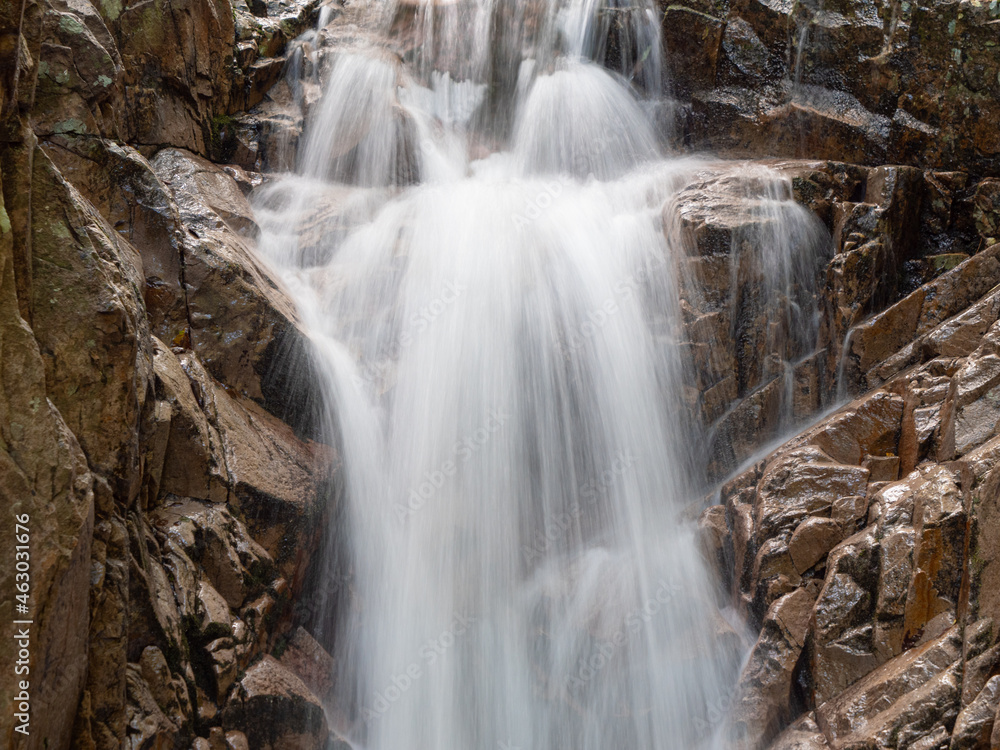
765 688
984 596
842 82
939 521
802 483
147 726
275 709
804 734
220 544
238 319
920 313
169 691
811 541
844 647
222 657
746 57
975 722
692 40
215 620
193 463
79 72
310 662
911 695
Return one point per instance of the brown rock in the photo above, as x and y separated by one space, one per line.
238 318
765 687
148 726
275 710
310 662
804 734
844 649
939 519
909 695
193 462
800 483
975 722
714 533
692 40
811 541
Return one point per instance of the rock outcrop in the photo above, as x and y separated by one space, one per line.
879 518
856 81
151 433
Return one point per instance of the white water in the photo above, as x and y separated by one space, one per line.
498 316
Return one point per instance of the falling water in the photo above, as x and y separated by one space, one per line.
498 313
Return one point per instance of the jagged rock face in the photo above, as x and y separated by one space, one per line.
881 518
152 73
869 82
173 513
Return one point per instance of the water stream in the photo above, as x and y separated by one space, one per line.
475 241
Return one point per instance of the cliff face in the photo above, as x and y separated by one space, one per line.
153 429
862 551
863 81
171 511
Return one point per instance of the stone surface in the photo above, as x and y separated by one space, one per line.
765 688
276 710
863 82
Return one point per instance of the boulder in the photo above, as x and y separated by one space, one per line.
765 701
275 710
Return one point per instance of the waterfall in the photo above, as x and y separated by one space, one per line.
497 311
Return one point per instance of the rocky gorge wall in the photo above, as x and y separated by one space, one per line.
172 492
155 434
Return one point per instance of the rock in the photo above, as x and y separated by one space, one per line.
939 520
238 319
921 312
908 695
210 536
692 40
811 541
984 596
147 724
844 646
713 533
215 621
192 49
840 82
275 709
765 688
804 734
801 483
745 55
975 722
222 657
310 662
194 464
169 692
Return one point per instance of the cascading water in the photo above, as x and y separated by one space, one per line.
500 333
